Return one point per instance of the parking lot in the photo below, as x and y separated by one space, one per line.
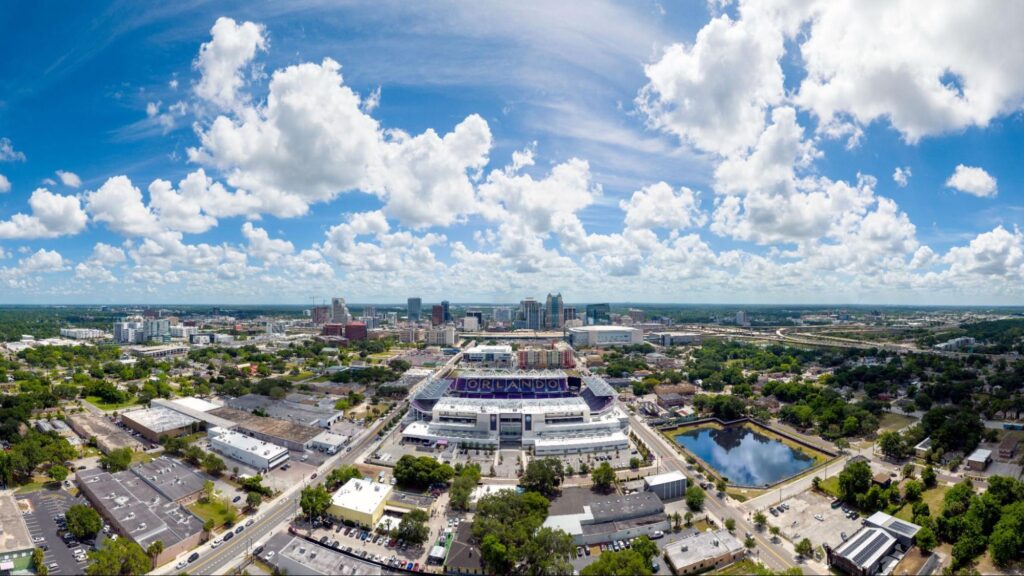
295 555
43 506
802 520
373 547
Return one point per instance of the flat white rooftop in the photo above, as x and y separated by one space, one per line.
665 478
159 419
361 495
195 404
245 443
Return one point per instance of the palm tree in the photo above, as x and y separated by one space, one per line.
154 551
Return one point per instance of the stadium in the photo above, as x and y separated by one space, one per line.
546 411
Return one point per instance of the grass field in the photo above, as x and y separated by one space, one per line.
831 486
99 403
890 421
31 486
216 510
932 497
297 377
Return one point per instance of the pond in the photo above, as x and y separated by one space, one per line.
744 456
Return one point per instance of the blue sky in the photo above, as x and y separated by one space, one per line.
665 152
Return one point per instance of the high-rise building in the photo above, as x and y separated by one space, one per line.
530 315
128 331
742 319
156 330
339 311
355 331
437 315
502 314
568 313
598 314
553 310
442 336
321 315
636 315
446 312
414 308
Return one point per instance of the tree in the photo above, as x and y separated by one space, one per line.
314 501
603 476
422 471
230 514
805 548
891 444
340 476
413 527
912 491
154 550
547 552
83 521
253 500
646 548
842 444
634 463
213 464
760 519
120 557
543 476
58 472
208 526
117 460
694 498
208 490
749 542
730 524
720 486
774 530
688 517
925 539
39 562
928 477
855 479
908 470
622 563
504 523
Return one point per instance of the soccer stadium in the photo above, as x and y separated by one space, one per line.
547 411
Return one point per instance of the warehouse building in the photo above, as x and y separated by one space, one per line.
874 549
328 442
593 519
108 436
137 511
174 480
15 540
979 459
195 408
360 501
158 422
603 336
668 486
281 432
306 414
259 454
704 551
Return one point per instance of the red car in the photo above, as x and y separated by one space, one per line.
416 567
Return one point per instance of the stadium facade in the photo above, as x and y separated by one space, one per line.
547 411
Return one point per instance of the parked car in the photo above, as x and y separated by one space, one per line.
193 557
249 522
239 529
269 555
216 542
229 536
235 499
181 565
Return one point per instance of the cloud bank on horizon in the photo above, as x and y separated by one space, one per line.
737 162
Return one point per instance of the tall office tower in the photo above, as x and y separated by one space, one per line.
742 319
636 315
530 315
413 307
321 315
156 330
339 311
479 315
446 312
553 310
598 314
568 313
437 315
503 314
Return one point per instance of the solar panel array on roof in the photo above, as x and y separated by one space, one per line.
854 542
904 528
873 547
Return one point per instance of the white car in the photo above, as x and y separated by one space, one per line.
216 543
269 555
181 565
249 522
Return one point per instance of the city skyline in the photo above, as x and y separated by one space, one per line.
720 153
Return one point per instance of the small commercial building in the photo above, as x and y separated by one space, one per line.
1008 447
259 454
360 501
676 338
160 352
303 413
923 447
704 551
870 551
158 422
464 553
328 442
668 486
108 436
901 530
275 430
591 519
979 459
15 539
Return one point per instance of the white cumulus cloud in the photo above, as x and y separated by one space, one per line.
52 215
972 180
69 179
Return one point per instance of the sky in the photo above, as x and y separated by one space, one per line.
713 151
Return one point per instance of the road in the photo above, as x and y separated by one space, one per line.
280 511
776 556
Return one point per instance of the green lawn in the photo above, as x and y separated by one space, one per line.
30 487
933 497
831 485
890 421
299 376
143 457
216 510
97 402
